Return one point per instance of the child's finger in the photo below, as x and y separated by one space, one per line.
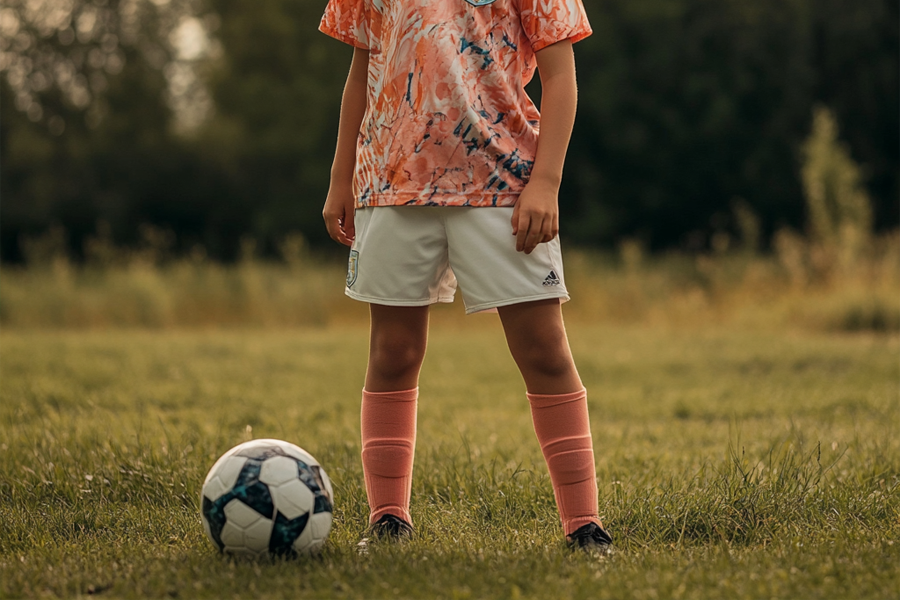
546 229
349 225
515 219
546 236
523 224
341 238
333 228
535 235
550 229
344 237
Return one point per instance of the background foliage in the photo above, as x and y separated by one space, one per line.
215 119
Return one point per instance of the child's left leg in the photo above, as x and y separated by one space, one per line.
538 343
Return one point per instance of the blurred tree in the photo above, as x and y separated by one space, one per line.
89 138
839 212
857 62
686 105
276 90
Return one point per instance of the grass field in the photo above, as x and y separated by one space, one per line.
731 464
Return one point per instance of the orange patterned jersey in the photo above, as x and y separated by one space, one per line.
448 121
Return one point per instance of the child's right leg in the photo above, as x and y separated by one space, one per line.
397 342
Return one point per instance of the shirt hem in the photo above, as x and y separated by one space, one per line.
484 200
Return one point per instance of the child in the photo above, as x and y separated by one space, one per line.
439 175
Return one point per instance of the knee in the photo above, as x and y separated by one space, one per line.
546 358
396 354
550 363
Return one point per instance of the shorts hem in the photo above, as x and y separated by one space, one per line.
395 302
562 295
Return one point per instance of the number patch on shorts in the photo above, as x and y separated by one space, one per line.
352 268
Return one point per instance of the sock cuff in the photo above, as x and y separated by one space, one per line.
572 525
398 396
545 400
397 511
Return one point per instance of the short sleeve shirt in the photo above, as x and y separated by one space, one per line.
448 121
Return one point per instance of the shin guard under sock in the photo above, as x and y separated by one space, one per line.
563 430
388 444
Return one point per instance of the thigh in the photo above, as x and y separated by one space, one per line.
537 341
534 325
397 342
407 324
482 253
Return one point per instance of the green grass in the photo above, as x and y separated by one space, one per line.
730 464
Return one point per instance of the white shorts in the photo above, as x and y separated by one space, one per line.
414 256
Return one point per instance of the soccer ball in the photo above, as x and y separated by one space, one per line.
267 497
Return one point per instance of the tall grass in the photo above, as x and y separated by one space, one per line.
786 288
147 287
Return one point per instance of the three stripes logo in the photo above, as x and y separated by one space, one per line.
551 279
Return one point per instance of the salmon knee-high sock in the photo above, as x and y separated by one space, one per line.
388 444
563 430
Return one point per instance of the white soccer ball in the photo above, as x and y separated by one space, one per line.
267 497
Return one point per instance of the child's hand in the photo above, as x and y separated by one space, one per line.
535 218
338 214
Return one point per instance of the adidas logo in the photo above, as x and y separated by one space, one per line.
551 279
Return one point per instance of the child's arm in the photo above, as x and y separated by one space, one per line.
340 203
536 216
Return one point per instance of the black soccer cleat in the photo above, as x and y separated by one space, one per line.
393 528
386 529
590 538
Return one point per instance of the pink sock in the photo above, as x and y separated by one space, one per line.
388 441
563 430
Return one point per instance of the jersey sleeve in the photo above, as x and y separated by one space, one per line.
546 22
347 21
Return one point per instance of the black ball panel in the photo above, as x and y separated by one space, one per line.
252 492
214 513
312 477
285 532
